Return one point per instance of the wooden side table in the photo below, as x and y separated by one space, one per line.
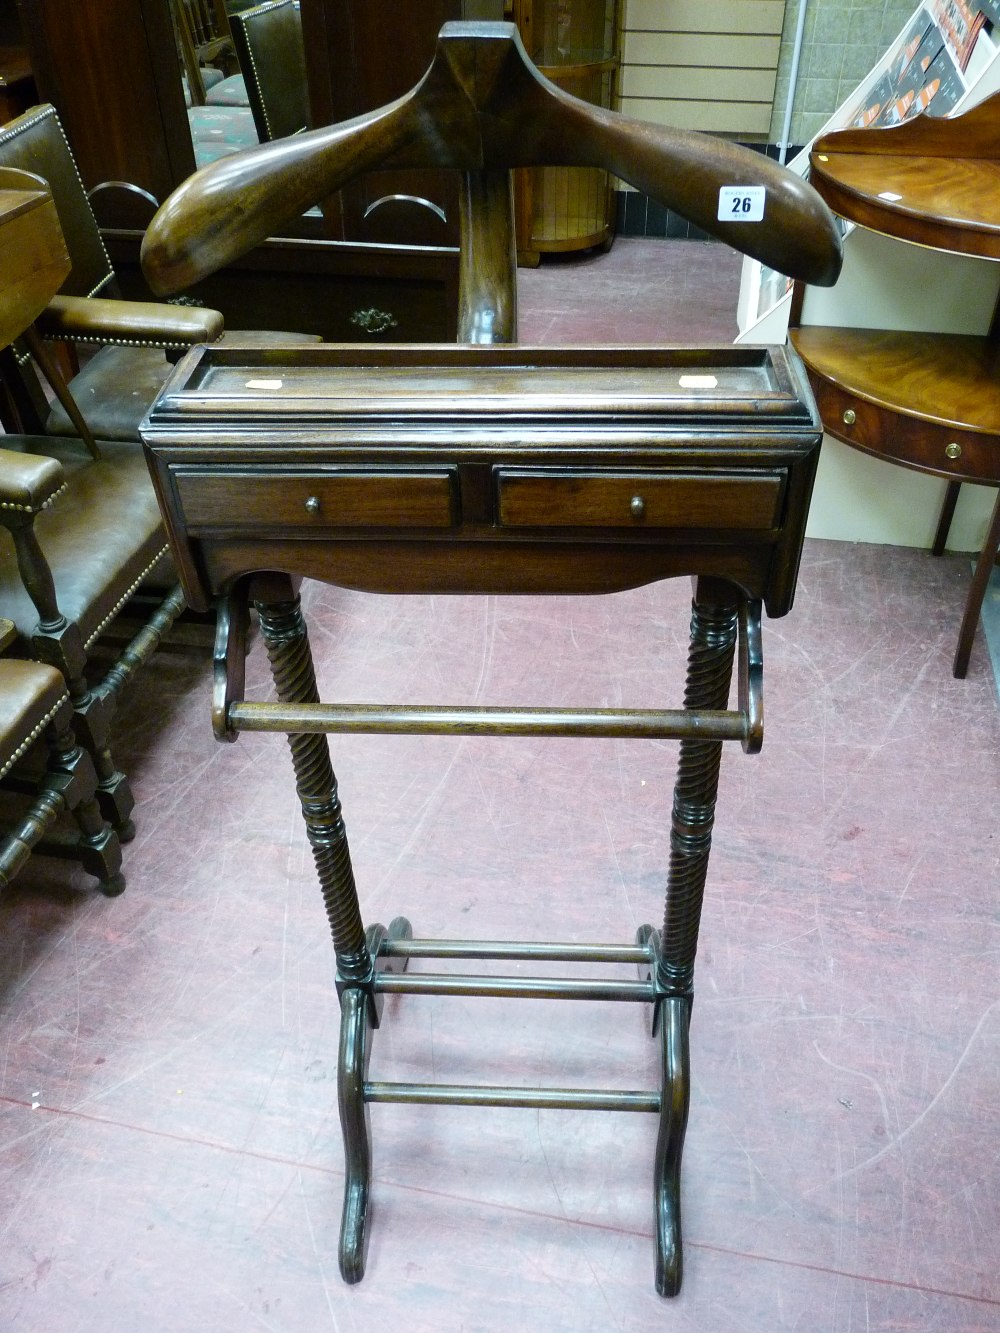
34 263
33 257
928 401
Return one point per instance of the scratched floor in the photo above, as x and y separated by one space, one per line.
170 1152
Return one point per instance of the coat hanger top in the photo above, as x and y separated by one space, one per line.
482 106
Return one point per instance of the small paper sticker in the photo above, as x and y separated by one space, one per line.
263 384
741 203
698 382
890 197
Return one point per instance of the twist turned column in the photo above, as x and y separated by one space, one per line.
709 674
284 632
710 668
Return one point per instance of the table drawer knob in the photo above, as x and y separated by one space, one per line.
313 505
953 450
638 506
850 417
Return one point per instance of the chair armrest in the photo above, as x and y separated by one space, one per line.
98 319
28 482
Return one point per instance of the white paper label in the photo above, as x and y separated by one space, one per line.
263 384
698 381
890 197
741 203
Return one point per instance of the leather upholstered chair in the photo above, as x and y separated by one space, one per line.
118 383
135 341
80 530
35 717
78 537
269 45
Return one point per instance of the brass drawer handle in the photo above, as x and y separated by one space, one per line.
953 450
374 320
850 417
638 506
313 505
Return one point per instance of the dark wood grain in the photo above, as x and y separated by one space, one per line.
483 106
111 69
928 401
947 379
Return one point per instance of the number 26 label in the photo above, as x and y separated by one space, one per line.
741 203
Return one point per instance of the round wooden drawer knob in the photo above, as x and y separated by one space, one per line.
637 505
953 450
313 505
850 417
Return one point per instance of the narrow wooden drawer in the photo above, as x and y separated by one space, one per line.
350 499
638 499
946 451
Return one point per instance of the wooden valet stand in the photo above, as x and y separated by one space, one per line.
490 468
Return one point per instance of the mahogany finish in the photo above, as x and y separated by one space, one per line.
349 75
488 469
946 203
111 69
930 401
946 172
926 401
481 107
485 470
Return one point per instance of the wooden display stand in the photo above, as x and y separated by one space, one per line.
929 401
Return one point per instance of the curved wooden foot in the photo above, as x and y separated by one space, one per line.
675 1096
360 1012
355 1123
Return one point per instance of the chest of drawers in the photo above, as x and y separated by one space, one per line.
486 470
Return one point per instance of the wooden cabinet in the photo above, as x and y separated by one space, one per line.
402 469
361 54
17 82
110 67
